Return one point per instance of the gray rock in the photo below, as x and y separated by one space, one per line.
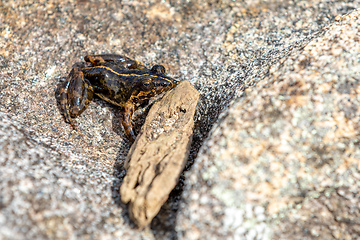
57 183
284 161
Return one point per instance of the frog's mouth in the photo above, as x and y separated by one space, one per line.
157 89
143 95
160 89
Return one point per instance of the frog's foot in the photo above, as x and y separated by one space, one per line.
74 125
95 60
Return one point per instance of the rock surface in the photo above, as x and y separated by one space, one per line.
284 161
159 154
56 183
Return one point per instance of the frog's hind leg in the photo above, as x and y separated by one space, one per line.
64 102
75 95
119 60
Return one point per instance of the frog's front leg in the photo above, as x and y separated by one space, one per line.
75 95
127 114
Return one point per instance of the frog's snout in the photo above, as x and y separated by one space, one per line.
163 84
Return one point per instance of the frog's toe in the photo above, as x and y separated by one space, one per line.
76 111
73 125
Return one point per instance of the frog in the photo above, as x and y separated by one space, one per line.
116 79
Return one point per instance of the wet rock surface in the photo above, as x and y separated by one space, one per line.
58 183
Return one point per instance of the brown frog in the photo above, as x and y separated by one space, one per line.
117 79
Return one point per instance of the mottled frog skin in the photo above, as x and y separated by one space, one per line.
115 78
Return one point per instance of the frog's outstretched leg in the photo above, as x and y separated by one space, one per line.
127 114
75 95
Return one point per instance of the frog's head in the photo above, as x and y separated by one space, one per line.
153 84
162 83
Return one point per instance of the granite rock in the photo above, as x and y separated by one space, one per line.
56 183
284 161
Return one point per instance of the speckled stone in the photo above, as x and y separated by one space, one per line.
284 161
59 183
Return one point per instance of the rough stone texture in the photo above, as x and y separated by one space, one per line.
284 161
221 47
38 198
159 154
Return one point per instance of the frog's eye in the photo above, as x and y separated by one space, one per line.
159 69
146 84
